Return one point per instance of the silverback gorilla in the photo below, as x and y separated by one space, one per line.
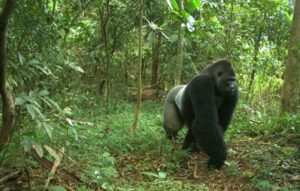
206 105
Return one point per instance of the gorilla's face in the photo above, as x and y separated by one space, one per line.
225 81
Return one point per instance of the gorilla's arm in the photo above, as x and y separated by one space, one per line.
205 127
227 109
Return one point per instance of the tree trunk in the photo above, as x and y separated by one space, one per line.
290 98
139 72
255 59
179 48
8 107
155 60
104 23
228 32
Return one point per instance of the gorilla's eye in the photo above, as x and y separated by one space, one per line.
220 73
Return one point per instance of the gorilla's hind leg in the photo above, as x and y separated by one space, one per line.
173 122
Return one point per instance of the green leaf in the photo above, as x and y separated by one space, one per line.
34 111
106 154
107 186
56 188
26 143
78 69
51 151
67 111
44 69
288 150
19 101
48 128
192 5
162 175
75 132
151 37
186 15
248 173
51 103
39 149
30 110
74 67
150 174
197 4
173 38
31 100
22 60
46 101
173 5
44 93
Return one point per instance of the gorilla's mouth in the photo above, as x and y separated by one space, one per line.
231 92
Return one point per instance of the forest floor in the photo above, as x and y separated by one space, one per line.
102 151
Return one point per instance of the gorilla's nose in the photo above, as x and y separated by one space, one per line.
231 86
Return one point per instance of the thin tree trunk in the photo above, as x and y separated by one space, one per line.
104 22
229 39
255 59
139 72
290 97
179 48
155 60
8 107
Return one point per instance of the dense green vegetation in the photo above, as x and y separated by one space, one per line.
72 66
260 156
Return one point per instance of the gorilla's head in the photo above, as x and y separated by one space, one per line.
224 78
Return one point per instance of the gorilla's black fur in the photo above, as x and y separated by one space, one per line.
206 105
